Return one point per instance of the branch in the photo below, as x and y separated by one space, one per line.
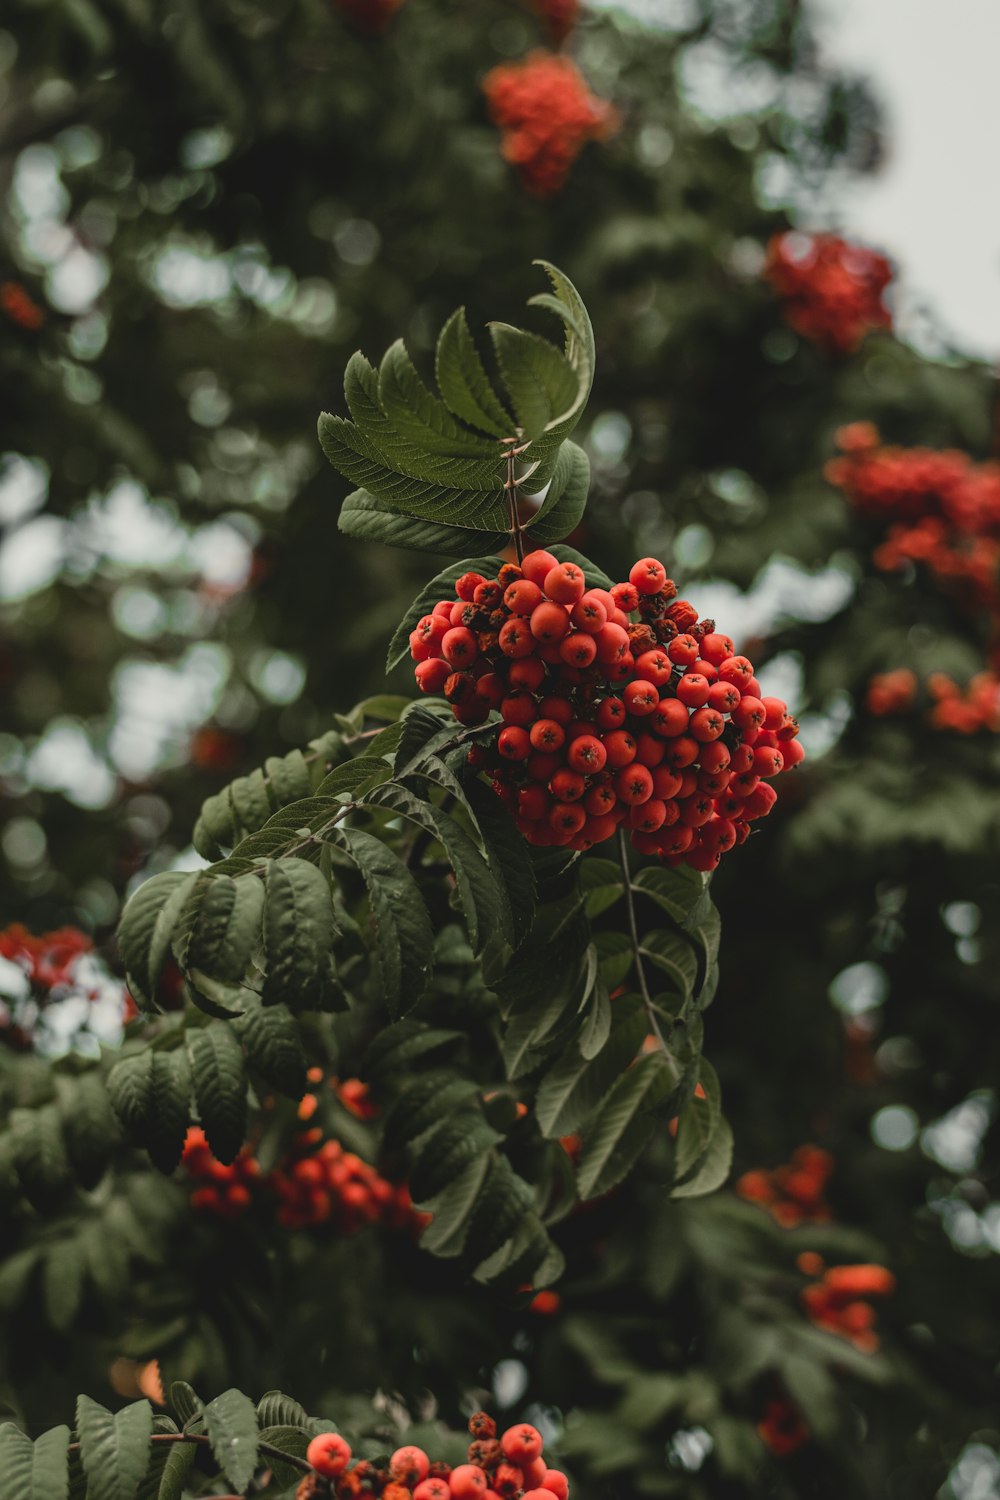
651 1012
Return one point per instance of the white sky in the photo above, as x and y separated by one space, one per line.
934 206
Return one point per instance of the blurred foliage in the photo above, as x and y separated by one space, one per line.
214 206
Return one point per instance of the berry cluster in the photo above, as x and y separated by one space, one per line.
547 114
560 16
792 1194
964 712
832 289
782 1429
510 1467
214 749
49 959
836 1302
19 307
369 15
891 692
318 1183
619 707
942 510
56 967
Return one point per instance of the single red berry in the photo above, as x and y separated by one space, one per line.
567 818
488 595
506 1481
467 1482
600 799
655 666
589 615
533 803
537 565
578 649
513 743
683 650
482 1425
749 713
612 644
329 1454
706 724
567 785
610 713
716 648
526 672
775 710
626 597
641 697
648 575
738 670
620 747
522 1444
409 1465
682 751
432 1489
432 675
522 597
565 583
519 708
549 622
666 782
648 816
669 718
767 762
546 734
634 784
792 753
587 754
693 689
556 1483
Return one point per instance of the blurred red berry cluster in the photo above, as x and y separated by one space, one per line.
965 711
510 1467
832 290
837 1301
58 966
19 307
793 1193
547 115
781 1428
49 959
652 723
891 692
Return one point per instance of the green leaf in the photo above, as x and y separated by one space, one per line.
290 1439
273 1043
502 1203
403 950
674 956
16 1463
353 775
114 1449
597 1024
185 1401
40 1155
135 933
298 934
543 386
370 519
596 577
275 1409
167 1123
575 1086
567 304
445 1152
219 1078
226 928
622 1126
463 381
172 920
231 1420
442 586
89 1128
173 1479
421 419
508 856
397 1047
451 1209
715 1166
566 499
679 892
601 883
428 1101
49 1466
697 1123
63 1270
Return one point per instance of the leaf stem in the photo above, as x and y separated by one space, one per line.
516 531
647 999
204 1441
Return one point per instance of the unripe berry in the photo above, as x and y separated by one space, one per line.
409 1465
587 755
589 615
329 1454
648 575
513 743
634 784
640 697
620 748
549 623
546 734
521 1444
693 689
537 565
467 1482
523 597
565 583
432 675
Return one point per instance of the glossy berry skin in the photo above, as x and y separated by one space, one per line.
329 1454
648 575
467 1482
522 1444
565 583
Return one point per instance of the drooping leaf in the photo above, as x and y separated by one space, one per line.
403 949
273 1043
574 1086
89 1127
40 1155
371 519
219 1078
622 1126
167 1122
275 1409
227 927
114 1448
231 1422
135 933
298 934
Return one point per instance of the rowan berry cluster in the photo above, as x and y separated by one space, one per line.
963 711
547 115
317 1183
941 508
832 289
49 959
560 16
781 1428
891 692
510 1467
793 1193
836 1302
19 307
56 967
369 15
619 707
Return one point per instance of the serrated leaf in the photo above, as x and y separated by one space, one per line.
275 1409
622 1126
170 924
463 382
568 305
443 1154
422 420
114 1449
602 884
429 1100
596 1027
290 1439
16 1462
574 1087
353 775
89 1127
299 933
226 928
442 586
566 498
508 855
697 1123
451 1209
167 1123
674 956
174 1475
370 519
715 1166
501 1204
231 1421
219 1079
543 386
271 1037
403 950
679 892
398 1046
185 1401
135 933
49 1466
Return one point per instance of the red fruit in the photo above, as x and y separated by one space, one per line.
767 762
742 786
666 783
559 709
482 1426
578 650
723 696
719 833
693 689
634 784
515 638
775 710
705 669
565 583
760 801
669 718
792 753
714 756
488 595
432 675
610 713
649 750
541 765
491 688
506 1480
329 1454
589 615
641 697
528 672
741 759
465 587
654 666
596 830
683 650
648 575
620 747
443 611
600 800
567 785
533 802
522 597
612 644
648 816
513 743
587 755
737 670
716 648
537 565
533 1472
549 623
677 840
459 646
577 728
681 752
432 1489
521 1444
546 734
519 708
567 818
467 1482
704 859
750 713
556 1483
706 724
408 1465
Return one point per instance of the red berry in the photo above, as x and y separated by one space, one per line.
522 1444
432 1489
432 675
329 1454
567 785
542 766
641 697
749 713
506 1480
648 816
612 644
467 1482
666 783
516 638
792 753
565 583
767 762
625 596
681 751
723 696
634 784
408 1465
549 622
654 666
620 747
600 800
737 670
707 724
775 710
578 649
559 709
649 750
589 615
683 650
533 802
527 672
610 713
567 818
556 1483
491 688
513 743
716 648
546 734
465 587
459 646
519 708
669 718
537 565
587 755
693 689
522 597
714 756
648 575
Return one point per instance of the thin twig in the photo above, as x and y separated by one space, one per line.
647 999
511 489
